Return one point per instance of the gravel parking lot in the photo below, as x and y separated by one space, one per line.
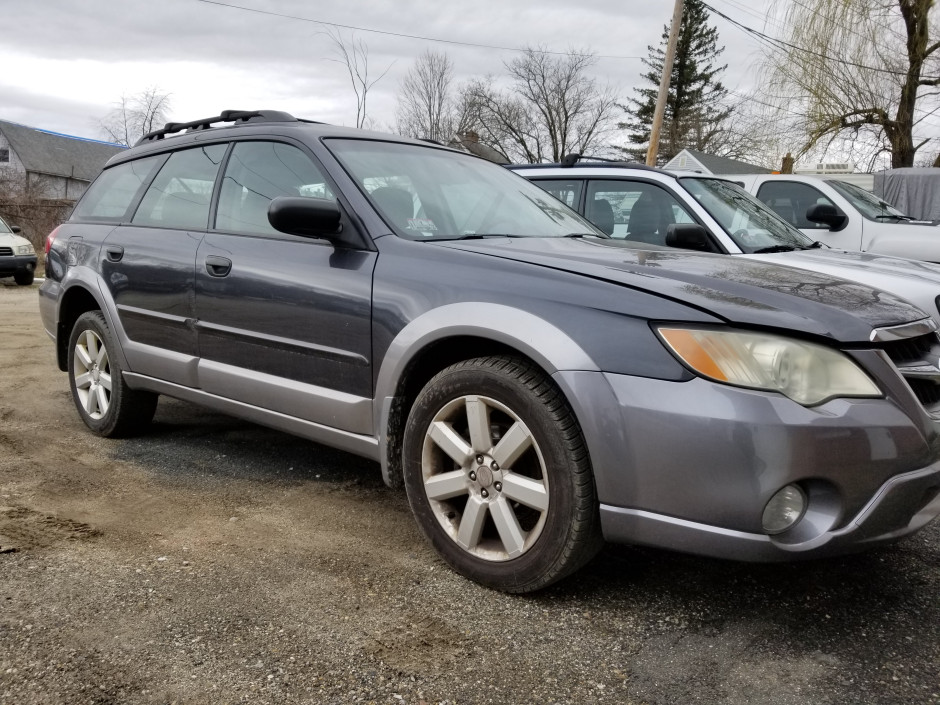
213 561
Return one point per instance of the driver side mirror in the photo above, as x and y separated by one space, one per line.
15 228
306 217
689 236
827 214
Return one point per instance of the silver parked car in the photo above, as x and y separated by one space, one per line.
713 214
535 385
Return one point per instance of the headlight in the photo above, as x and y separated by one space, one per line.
807 373
26 249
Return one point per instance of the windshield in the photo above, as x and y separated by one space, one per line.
3 227
751 224
867 203
428 193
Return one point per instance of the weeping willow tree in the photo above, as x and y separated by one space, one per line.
865 71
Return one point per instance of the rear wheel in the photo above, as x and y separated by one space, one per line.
498 475
104 401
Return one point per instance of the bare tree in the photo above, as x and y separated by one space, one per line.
552 107
859 70
428 105
26 203
136 115
354 55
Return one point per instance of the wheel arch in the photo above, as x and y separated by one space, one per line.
81 293
449 334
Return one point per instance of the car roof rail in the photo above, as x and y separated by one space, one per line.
235 116
575 159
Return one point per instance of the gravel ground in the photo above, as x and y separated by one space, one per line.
212 561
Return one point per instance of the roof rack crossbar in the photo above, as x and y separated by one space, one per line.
225 116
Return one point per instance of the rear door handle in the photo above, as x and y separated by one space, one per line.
218 266
114 252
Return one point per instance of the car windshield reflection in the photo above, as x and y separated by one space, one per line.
428 193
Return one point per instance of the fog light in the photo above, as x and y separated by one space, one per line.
784 509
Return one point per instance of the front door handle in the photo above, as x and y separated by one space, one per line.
114 253
218 266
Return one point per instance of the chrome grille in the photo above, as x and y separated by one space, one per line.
917 359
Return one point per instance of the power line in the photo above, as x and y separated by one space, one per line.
409 36
779 43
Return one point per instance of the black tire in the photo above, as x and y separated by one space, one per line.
516 528
24 277
104 401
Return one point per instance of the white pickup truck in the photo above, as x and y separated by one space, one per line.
843 215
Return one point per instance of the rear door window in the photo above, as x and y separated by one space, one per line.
568 191
180 195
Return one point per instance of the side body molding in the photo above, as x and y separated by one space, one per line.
550 347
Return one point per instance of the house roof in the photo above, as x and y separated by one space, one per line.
715 165
55 154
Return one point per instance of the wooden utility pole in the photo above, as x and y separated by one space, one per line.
664 85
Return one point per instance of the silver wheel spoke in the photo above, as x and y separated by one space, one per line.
478 422
105 381
525 490
91 401
102 357
82 356
508 527
512 445
102 396
91 345
449 441
446 485
471 523
83 381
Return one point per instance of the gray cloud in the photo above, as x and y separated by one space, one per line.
277 62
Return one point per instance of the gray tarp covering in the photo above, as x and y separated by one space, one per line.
914 191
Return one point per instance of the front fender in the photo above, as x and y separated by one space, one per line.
550 347
909 241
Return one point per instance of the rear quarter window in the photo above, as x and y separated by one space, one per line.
115 189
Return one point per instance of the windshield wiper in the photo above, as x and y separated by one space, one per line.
576 235
777 248
816 245
470 236
886 216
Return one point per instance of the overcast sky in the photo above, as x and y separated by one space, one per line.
66 62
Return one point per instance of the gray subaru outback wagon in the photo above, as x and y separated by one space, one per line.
534 385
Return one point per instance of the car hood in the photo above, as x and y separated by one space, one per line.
916 281
12 240
741 291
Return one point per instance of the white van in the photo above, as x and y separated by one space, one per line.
843 215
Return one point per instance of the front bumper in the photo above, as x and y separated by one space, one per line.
17 263
903 505
691 465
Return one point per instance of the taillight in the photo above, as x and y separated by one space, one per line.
50 238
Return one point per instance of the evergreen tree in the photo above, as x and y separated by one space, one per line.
694 110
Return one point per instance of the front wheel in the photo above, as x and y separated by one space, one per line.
24 277
498 475
104 401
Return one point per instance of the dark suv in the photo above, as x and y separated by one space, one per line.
535 385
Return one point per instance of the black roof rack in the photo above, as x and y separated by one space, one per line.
570 160
226 116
